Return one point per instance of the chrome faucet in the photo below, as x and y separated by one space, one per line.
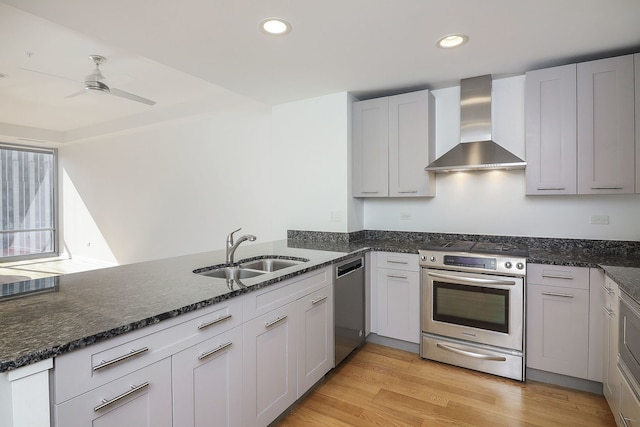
231 247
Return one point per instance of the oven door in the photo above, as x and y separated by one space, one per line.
482 308
629 342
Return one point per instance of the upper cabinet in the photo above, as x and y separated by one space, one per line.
606 134
580 128
551 130
393 141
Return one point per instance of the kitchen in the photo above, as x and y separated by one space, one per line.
94 198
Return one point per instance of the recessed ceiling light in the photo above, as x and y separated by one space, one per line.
275 26
453 40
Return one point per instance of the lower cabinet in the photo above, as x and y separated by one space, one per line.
610 373
286 351
141 398
207 382
558 319
628 414
398 283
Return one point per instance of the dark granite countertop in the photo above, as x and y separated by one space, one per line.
96 305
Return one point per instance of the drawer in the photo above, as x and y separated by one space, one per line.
397 261
610 291
629 415
558 275
142 397
79 371
264 300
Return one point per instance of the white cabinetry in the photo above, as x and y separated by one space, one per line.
636 67
580 128
606 135
551 130
558 319
288 344
393 140
398 296
610 374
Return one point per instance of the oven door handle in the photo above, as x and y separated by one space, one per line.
473 280
471 354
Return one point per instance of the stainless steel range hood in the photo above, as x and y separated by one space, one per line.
476 150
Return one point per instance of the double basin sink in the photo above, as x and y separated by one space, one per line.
250 268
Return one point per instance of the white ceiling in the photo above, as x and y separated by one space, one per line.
187 54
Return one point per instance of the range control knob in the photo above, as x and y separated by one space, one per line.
423 257
519 266
508 264
432 258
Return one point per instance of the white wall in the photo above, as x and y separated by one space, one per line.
494 202
170 189
311 172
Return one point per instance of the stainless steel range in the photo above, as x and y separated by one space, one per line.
473 303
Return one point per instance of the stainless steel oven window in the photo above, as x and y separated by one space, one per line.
474 306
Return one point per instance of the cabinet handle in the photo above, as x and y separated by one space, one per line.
107 402
132 353
609 312
608 290
408 192
551 188
557 294
213 322
214 351
369 192
397 276
274 322
607 187
320 299
625 420
397 262
557 276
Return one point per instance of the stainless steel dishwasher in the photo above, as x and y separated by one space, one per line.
348 307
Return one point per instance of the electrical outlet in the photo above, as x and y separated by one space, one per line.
599 219
405 216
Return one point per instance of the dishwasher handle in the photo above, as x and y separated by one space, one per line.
349 267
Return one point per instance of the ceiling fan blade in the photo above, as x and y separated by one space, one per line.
78 93
132 97
49 74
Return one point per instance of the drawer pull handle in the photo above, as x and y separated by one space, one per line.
608 290
214 351
274 322
551 188
557 276
369 192
397 276
107 402
607 187
408 192
390 261
609 312
557 294
108 363
215 321
471 353
318 300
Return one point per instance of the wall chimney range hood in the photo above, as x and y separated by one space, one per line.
476 150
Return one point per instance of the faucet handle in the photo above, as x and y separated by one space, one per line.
230 236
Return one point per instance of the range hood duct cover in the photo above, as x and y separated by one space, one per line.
476 150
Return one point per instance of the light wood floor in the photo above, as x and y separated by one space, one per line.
381 386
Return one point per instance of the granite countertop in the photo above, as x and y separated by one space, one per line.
93 306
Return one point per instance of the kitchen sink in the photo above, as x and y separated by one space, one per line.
249 268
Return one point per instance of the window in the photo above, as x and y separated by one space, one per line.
28 205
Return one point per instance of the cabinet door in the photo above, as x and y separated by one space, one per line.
371 148
636 61
411 138
551 144
606 135
315 338
140 399
207 382
399 304
629 415
270 358
558 329
611 375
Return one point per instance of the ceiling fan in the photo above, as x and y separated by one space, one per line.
94 82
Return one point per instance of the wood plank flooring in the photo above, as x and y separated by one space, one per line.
382 386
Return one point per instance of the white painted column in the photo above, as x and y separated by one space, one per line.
24 396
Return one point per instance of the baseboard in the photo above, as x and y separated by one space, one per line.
564 381
394 343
